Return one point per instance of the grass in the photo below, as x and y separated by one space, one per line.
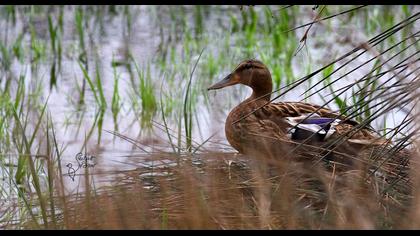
146 93
116 103
238 195
55 47
164 93
188 108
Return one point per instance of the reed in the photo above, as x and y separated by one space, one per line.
116 103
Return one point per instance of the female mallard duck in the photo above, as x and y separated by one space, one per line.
258 125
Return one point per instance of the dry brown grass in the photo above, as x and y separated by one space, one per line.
225 191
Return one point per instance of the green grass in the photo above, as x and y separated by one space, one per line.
146 93
79 22
167 86
96 90
187 110
116 103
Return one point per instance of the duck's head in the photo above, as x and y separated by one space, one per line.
252 73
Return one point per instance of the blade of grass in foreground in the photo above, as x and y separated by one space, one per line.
50 171
164 121
35 177
60 172
188 112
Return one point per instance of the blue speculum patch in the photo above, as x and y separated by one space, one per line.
318 121
302 132
322 122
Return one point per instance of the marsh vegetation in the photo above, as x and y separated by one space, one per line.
126 87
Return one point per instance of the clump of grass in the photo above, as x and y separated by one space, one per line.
116 103
25 173
55 39
96 90
78 18
99 96
80 27
198 20
146 94
6 60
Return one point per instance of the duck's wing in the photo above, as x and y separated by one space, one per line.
298 109
301 113
307 119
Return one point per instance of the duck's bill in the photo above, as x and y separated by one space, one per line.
227 81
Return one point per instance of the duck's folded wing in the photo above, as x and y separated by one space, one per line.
295 109
313 121
311 126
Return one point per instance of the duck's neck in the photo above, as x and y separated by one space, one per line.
260 95
261 91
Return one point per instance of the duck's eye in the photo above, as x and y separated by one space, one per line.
248 66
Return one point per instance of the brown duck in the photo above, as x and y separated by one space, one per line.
276 128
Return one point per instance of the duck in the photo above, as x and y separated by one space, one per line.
258 125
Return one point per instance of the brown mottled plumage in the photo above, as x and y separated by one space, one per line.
265 129
257 126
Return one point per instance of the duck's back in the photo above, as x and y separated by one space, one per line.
248 127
